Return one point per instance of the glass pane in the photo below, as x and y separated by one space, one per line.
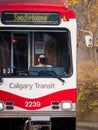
20 51
5 52
56 48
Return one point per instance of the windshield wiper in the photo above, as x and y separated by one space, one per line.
51 74
59 78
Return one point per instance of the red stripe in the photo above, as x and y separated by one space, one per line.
28 7
45 100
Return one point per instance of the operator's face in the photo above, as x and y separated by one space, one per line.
41 59
41 56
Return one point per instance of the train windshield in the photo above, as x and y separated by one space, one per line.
20 50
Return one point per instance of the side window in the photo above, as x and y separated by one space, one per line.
5 52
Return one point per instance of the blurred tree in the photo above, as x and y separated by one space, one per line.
87 92
87 72
87 16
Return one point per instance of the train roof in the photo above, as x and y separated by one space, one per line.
36 6
59 2
41 3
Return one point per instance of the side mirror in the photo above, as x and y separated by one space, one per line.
89 41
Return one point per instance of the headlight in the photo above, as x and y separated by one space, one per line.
1 105
66 105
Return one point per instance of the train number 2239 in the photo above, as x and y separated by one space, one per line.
32 104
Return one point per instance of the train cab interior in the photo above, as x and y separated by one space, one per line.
19 51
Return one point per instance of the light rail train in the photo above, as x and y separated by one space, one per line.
37 98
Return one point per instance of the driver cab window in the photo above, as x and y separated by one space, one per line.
45 45
56 47
20 50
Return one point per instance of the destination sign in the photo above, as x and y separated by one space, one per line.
28 18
